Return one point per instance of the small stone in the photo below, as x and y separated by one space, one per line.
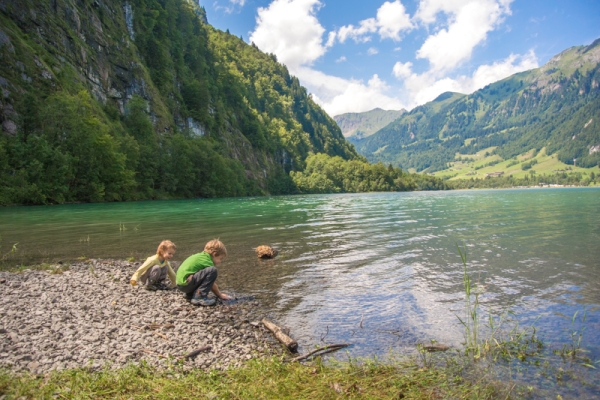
34 365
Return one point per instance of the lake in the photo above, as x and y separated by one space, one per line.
380 271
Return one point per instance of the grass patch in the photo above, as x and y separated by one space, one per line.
479 165
52 268
258 379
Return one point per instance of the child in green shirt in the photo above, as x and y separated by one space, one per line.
196 276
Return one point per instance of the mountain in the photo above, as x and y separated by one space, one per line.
556 107
107 100
361 125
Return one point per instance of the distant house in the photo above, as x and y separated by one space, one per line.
494 174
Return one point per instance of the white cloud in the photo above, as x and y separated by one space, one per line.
290 30
487 74
402 70
233 5
469 22
425 87
338 96
360 34
330 39
391 20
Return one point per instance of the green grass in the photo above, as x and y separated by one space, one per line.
546 164
501 341
52 268
258 379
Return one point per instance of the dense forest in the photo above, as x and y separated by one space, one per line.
325 174
532 179
556 106
112 101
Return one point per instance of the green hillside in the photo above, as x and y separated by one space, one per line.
111 100
555 107
361 125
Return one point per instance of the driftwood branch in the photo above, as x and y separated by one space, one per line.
154 353
290 343
435 347
193 354
322 350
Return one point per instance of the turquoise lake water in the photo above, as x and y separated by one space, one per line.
380 271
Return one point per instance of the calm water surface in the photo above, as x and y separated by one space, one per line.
380 271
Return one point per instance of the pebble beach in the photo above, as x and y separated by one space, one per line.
86 315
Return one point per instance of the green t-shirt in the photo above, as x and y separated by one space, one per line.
193 264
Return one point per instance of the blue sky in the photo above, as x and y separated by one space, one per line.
354 56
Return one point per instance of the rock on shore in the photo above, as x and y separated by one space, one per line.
89 316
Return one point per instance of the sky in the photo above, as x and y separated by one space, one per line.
354 56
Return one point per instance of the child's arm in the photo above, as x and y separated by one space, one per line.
172 275
218 293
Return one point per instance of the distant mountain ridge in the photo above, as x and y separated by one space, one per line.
556 106
361 125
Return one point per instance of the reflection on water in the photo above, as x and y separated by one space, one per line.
380 271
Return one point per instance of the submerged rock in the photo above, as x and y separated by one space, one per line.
264 251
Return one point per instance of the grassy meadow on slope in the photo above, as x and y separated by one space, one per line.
556 107
546 169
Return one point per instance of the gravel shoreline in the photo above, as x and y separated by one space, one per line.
89 316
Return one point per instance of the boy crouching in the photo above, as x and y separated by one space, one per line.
196 276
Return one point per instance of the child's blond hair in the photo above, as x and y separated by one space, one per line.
215 247
164 246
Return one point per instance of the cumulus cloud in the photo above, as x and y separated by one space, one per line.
402 70
290 29
454 28
338 95
358 34
469 22
487 74
425 87
392 19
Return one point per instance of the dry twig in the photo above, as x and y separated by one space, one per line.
322 350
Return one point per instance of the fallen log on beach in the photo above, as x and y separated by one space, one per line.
290 343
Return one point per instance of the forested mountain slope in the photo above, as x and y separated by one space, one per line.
556 106
105 100
361 125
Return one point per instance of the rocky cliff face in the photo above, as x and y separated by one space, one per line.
85 42
93 45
